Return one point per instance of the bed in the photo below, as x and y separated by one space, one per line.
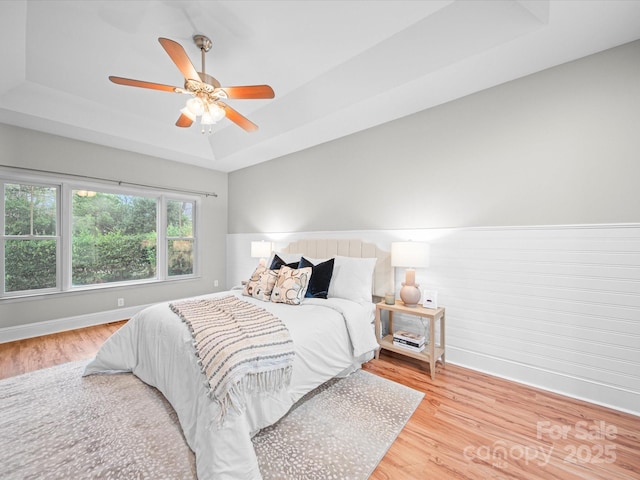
330 337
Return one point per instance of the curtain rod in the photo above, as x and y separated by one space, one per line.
119 182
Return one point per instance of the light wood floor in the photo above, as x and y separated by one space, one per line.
49 350
469 425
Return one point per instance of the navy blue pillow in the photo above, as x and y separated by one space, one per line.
320 277
277 262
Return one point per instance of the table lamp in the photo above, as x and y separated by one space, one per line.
411 255
261 250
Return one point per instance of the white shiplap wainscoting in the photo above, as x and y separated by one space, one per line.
557 307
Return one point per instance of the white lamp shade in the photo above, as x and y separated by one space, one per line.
196 106
261 249
410 254
206 119
217 112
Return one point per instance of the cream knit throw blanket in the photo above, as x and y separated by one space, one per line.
241 348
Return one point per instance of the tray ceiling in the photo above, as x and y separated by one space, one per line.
336 67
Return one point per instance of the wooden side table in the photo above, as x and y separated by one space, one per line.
432 352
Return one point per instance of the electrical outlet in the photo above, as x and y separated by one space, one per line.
215 283
121 302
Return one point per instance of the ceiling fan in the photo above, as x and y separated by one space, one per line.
205 91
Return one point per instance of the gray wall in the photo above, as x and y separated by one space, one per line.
26 148
528 194
558 147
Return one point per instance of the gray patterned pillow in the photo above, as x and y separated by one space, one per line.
291 286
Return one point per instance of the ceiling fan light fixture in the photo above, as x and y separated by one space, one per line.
196 106
207 119
212 114
216 111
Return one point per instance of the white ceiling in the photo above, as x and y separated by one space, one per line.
337 67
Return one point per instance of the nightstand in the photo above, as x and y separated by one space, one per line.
432 352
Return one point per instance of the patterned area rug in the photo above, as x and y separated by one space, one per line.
56 424
341 430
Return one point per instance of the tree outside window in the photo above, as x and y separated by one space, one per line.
180 238
114 238
30 237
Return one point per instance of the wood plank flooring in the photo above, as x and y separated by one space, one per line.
475 426
32 354
469 425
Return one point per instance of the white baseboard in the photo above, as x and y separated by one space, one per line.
562 384
20 332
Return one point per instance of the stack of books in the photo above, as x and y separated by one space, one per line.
409 340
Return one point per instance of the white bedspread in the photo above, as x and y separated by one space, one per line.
331 337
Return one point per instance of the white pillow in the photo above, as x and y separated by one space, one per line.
352 278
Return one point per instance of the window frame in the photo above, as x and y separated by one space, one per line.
193 238
64 229
57 237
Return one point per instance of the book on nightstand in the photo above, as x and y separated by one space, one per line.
408 347
409 339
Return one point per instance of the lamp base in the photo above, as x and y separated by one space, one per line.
410 295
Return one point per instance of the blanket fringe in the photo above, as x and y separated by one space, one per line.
235 398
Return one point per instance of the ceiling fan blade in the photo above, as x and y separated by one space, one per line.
180 58
184 121
249 92
238 119
142 84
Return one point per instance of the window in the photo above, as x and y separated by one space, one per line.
114 238
30 241
60 236
180 239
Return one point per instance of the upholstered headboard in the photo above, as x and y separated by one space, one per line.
326 248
